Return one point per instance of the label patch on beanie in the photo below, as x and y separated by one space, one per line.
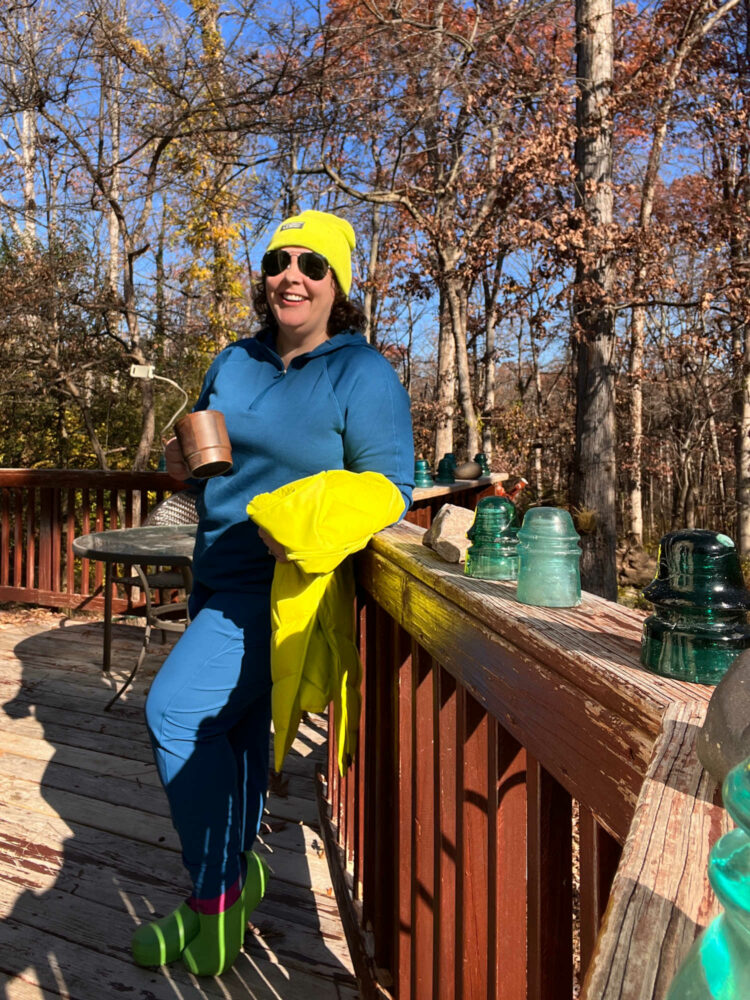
292 225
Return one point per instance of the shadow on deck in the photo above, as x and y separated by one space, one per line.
87 849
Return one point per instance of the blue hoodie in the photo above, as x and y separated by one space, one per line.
340 406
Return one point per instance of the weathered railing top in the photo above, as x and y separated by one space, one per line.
568 684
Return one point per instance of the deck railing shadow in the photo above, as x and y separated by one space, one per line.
526 816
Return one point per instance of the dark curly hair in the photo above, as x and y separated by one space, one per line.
346 316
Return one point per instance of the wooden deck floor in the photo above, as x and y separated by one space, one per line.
87 850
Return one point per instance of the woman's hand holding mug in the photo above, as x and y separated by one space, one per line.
176 464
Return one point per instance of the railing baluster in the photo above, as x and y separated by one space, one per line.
349 809
70 534
445 944
342 814
114 512
403 861
381 869
508 979
99 525
476 874
31 547
363 750
336 782
56 536
550 886
458 971
85 530
18 549
45 538
599 855
423 835
5 537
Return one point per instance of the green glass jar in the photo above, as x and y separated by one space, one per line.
699 625
481 459
493 553
422 475
549 574
445 472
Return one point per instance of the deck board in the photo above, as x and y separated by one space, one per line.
87 850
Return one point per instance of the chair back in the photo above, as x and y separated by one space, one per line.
179 508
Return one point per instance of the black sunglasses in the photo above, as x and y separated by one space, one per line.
312 265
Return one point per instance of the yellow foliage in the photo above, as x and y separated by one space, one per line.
140 49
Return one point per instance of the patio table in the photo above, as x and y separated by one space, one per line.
150 545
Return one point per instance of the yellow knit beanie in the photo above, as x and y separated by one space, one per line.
325 233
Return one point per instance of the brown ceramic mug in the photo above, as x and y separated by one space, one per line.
204 443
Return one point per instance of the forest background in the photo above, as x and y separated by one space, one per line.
552 203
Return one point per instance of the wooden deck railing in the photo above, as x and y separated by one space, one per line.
43 510
526 811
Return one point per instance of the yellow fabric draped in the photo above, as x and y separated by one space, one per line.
319 520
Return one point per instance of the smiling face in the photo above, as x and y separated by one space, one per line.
301 306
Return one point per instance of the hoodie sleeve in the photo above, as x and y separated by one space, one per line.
377 421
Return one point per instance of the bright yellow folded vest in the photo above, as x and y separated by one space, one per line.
319 520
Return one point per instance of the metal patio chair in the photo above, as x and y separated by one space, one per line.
167 616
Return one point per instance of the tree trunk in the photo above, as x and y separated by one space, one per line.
445 389
635 419
370 300
713 437
27 131
488 363
111 113
216 168
458 323
737 198
29 154
594 341
741 406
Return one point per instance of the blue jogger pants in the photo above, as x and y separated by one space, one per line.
208 715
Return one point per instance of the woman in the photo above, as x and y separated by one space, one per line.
306 394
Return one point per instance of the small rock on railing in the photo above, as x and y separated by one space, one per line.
447 533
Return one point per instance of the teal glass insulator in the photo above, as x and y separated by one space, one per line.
699 625
549 574
493 553
717 967
481 459
422 476
450 458
445 472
